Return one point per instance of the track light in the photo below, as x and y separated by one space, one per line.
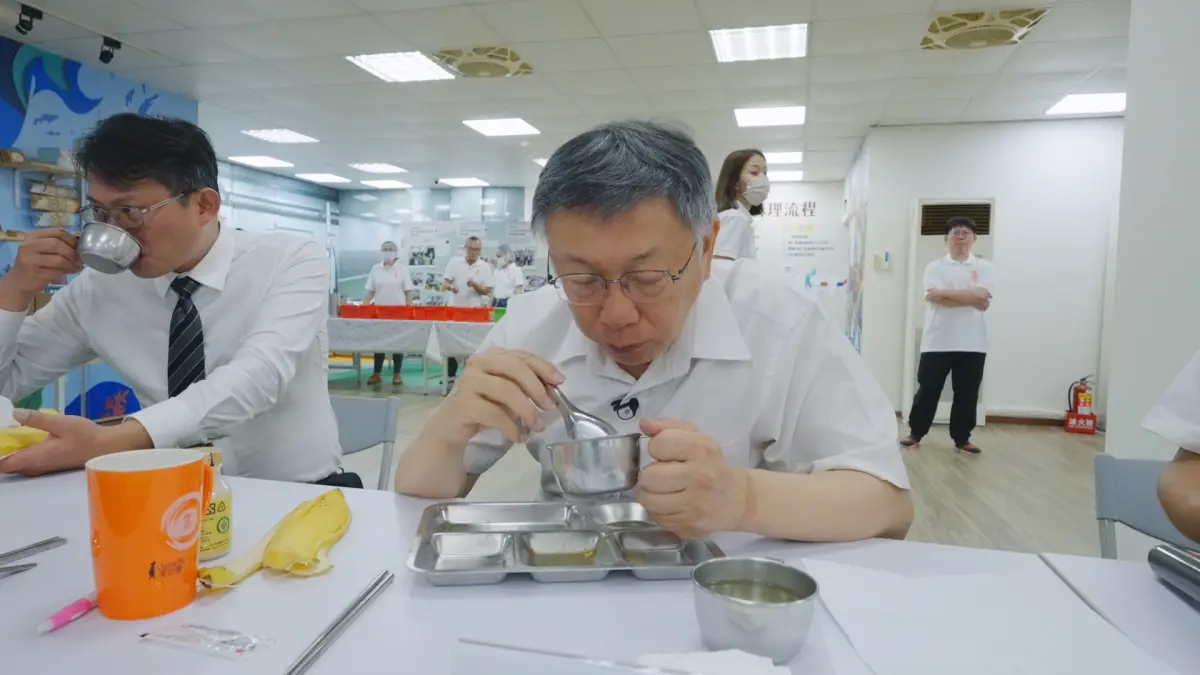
109 49
26 19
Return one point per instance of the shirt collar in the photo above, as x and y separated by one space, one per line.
969 261
742 207
212 269
710 332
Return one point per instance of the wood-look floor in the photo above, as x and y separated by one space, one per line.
1031 490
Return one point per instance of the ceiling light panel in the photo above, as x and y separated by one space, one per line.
1084 104
401 67
760 43
514 126
463 182
279 136
387 184
322 178
769 117
541 161
786 176
378 168
260 161
784 158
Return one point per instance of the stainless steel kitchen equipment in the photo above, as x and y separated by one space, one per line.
596 466
107 248
580 425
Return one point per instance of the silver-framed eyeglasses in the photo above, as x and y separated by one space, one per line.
124 217
640 286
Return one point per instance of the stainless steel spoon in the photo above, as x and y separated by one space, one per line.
580 425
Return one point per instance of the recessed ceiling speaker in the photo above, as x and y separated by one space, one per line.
484 62
980 30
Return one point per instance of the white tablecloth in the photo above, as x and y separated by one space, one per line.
433 339
412 627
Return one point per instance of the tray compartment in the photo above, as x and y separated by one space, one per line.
617 516
651 547
692 553
461 558
578 555
500 517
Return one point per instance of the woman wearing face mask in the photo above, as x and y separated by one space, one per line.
388 283
742 187
509 278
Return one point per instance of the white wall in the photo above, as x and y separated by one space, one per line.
1055 187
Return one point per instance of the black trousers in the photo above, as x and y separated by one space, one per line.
397 359
452 367
344 479
966 372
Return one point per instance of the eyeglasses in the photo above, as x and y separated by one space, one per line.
124 217
641 286
961 232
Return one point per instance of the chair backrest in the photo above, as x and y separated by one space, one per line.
1127 492
365 422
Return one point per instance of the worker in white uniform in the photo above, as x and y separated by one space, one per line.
742 187
510 279
761 416
469 279
389 283
1176 418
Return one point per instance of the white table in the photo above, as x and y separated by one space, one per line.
412 627
1131 598
434 340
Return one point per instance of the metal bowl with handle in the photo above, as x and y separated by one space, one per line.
107 248
594 467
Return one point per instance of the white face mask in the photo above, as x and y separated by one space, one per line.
757 189
389 256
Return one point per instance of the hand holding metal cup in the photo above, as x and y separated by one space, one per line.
107 248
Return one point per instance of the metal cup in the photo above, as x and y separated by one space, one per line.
107 248
596 466
758 625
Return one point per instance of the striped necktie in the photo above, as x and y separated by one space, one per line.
185 350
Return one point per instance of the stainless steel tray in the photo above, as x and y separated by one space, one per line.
464 543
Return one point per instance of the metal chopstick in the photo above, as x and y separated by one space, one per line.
32 549
338 626
8 571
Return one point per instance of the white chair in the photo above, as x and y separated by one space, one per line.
1127 493
364 423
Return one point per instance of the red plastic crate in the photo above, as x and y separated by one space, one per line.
471 314
402 312
357 311
431 313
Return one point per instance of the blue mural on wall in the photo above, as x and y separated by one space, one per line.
47 102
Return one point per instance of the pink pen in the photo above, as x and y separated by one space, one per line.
68 614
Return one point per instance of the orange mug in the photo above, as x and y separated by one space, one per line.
146 507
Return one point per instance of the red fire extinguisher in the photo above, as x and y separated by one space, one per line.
1080 419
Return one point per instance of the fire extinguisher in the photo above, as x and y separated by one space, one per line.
1079 397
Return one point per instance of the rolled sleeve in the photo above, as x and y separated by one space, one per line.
1176 416
835 415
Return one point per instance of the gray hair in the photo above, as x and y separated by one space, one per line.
504 250
388 243
608 170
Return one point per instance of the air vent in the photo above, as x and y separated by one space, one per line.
979 30
934 217
484 62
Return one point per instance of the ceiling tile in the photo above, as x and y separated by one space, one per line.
782 73
441 91
854 68
977 5
867 35
443 28
1107 81
264 41
87 50
113 16
848 143
932 63
190 13
595 82
532 20
993 110
825 10
1082 21
568 55
828 158
726 14
608 106
767 97
49 28
543 107
680 101
321 70
838 93
537 85
858 113
183 46
673 49
641 17
921 88
1030 85
678 78
833 130
1059 57
303 9
343 36
924 112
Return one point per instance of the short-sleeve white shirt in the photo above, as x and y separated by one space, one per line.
1176 416
957 329
736 237
508 279
389 283
459 272
757 366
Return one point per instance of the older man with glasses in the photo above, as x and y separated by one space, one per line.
761 415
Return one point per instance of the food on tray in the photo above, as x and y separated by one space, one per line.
17 438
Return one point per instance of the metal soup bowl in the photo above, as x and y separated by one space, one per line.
107 248
753 622
596 466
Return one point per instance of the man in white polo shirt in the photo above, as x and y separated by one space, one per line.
469 279
958 289
1176 418
762 417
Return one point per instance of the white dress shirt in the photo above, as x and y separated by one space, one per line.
263 302
736 237
757 366
389 284
459 272
957 329
508 279
1176 416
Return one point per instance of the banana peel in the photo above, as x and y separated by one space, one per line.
13 439
297 545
